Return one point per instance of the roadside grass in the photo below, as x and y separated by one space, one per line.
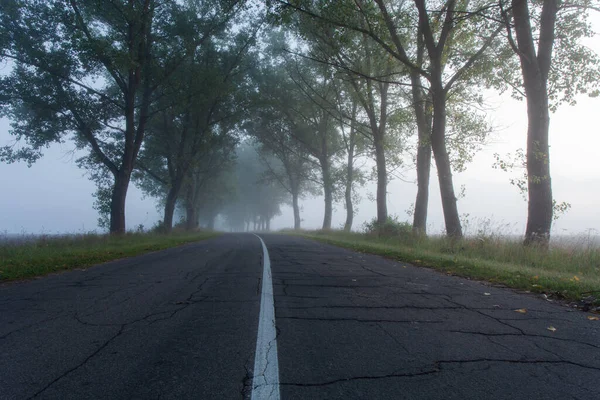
562 272
46 254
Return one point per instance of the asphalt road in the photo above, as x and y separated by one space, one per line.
183 323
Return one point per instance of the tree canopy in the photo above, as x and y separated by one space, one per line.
225 111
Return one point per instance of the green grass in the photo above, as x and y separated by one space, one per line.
571 273
48 254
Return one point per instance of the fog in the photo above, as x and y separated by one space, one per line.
54 196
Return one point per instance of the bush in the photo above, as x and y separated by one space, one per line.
392 227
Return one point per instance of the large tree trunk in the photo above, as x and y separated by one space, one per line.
442 162
348 195
328 193
423 176
423 155
539 185
535 69
169 210
117 203
170 203
268 224
381 179
350 180
350 145
296 208
191 217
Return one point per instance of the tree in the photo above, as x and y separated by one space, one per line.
314 125
306 92
256 200
210 182
91 70
286 163
286 160
543 80
355 145
206 100
457 38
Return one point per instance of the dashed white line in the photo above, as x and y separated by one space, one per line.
265 383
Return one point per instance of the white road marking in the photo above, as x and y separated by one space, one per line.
265 383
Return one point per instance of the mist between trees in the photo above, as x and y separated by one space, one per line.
230 109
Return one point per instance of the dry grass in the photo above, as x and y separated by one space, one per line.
565 271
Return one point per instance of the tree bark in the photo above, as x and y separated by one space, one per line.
191 217
348 193
381 180
296 208
423 155
539 185
169 210
442 162
267 224
328 193
535 69
350 146
170 203
117 203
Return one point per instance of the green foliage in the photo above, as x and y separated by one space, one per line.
96 73
575 67
518 161
392 227
49 254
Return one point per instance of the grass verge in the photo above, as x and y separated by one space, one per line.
563 273
47 254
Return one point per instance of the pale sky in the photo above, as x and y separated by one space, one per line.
54 196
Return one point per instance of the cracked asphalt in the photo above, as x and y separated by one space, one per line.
182 323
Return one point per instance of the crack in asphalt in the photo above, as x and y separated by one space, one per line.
524 334
262 374
81 364
437 367
171 313
405 307
247 378
411 321
357 378
399 343
25 327
520 331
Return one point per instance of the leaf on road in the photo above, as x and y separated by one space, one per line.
551 329
592 318
522 310
487 294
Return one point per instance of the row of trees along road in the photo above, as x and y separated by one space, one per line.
233 108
